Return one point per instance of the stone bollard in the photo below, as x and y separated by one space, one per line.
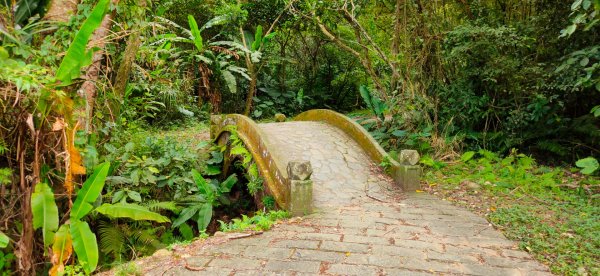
409 172
301 187
280 118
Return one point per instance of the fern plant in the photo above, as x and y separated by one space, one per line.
237 148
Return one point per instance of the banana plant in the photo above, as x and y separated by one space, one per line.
214 57
373 102
76 235
200 206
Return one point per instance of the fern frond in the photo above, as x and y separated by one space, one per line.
112 239
155 205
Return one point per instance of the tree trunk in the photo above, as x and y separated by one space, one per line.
133 44
396 42
251 89
61 10
88 89
24 252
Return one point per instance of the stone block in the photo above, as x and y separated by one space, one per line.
409 157
280 118
300 197
299 170
301 188
409 177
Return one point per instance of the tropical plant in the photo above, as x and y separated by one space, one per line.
76 233
200 205
261 221
373 102
214 59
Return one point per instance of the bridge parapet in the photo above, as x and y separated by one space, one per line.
406 174
290 184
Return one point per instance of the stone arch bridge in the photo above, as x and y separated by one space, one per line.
357 220
319 158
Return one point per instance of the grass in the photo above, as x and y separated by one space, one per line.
553 213
259 222
190 133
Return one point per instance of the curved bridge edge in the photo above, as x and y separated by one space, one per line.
364 140
257 143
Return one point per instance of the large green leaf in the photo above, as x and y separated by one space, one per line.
85 245
219 20
257 38
366 95
228 183
204 216
203 186
61 249
76 56
230 81
45 212
132 211
3 240
588 165
90 191
196 37
185 215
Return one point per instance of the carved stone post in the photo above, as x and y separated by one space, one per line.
301 187
409 172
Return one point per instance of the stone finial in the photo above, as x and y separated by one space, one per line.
280 118
409 157
299 170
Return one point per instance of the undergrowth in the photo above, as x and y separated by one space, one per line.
554 213
259 222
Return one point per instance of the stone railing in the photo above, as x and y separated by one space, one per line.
406 173
290 184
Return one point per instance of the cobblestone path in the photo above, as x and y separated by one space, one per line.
363 225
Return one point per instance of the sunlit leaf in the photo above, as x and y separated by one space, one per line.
204 216
131 211
85 245
185 215
588 165
45 212
467 156
196 37
3 240
62 249
70 66
90 191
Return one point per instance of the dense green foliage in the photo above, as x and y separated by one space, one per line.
490 77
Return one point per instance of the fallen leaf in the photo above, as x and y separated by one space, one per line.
59 124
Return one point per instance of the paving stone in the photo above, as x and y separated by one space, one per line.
236 262
317 255
294 266
366 239
419 244
406 272
264 252
303 244
319 236
398 251
344 247
346 269
208 271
